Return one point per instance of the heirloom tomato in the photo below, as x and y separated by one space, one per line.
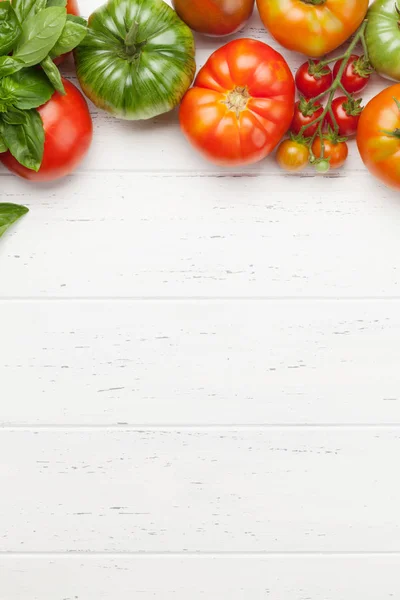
68 134
378 136
241 104
313 27
383 38
214 17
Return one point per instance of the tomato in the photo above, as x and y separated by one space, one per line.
305 112
383 39
313 27
312 80
335 152
72 7
347 115
214 17
137 60
68 135
356 74
378 136
241 104
292 155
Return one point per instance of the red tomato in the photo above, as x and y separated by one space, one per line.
347 114
72 7
241 104
356 74
68 135
311 80
304 114
214 17
335 152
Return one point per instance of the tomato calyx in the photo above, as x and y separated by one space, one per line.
363 67
314 2
353 107
299 138
396 132
237 100
308 107
318 69
133 48
333 136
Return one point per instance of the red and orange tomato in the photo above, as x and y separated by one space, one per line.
214 17
241 104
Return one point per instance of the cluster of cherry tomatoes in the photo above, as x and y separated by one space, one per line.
318 133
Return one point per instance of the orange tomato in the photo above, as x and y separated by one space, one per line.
378 136
214 17
292 156
241 104
313 28
335 152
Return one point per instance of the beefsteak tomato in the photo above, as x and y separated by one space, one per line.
137 59
68 134
383 38
378 136
313 27
241 104
214 17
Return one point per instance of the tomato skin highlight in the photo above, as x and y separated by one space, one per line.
300 120
336 153
309 85
351 80
347 123
312 29
241 104
292 156
214 17
68 134
379 150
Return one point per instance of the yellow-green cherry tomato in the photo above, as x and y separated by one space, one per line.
383 38
292 156
137 60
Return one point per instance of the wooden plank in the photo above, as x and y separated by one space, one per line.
274 490
179 578
166 363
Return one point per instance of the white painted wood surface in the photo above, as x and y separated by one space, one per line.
199 375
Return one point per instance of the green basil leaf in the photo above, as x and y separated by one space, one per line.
26 142
9 213
53 74
14 117
29 88
74 32
62 3
10 28
40 32
3 147
25 8
9 65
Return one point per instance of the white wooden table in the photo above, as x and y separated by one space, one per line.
200 383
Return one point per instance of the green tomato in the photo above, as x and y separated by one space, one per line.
137 60
383 38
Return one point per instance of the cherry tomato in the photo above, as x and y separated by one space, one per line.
313 27
304 114
68 135
335 152
347 114
241 104
292 155
378 136
356 74
311 80
72 7
214 17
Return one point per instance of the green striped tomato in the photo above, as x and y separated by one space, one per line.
137 60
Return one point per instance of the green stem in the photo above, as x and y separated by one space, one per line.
345 92
132 46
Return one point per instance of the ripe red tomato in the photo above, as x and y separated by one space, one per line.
312 80
292 155
356 74
241 104
68 134
335 152
214 17
72 7
347 114
304 114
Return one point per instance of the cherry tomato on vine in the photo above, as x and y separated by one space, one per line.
312 79
292 155
347 114
334 151
305 112
356 74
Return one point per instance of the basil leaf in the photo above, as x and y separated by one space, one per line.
29 88
9 213
74 32
25 8
40 32
9 65
53 74
26 142
14 117
62 3
10 29
3 147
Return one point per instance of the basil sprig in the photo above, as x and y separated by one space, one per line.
32 32
9 213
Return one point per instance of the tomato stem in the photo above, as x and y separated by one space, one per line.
132 46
